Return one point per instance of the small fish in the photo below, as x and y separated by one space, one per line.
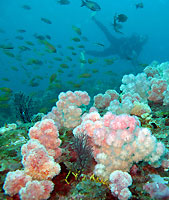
64 66
8 53
39 37
121 18
111 73
139 5
6 46
75 39
85 75
14 68
6 89
24 48
63 2
47 21
74 53
71 48
21 31
81 46
34 82
99 44
5 79
85 39
109 61
26 7
69 58
4 97
49 46
77 85
95 70
91 61
57 59
19 37
48 37
60 71
91 5
52 78
77 30
29 43
32 61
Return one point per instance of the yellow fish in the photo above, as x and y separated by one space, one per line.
75 39
77 30
52 77
49 46
85 75
6 89
64 66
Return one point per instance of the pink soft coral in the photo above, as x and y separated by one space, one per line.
15 181
47 134
37 162
119 184
36 190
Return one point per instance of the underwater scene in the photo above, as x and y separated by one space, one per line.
84 99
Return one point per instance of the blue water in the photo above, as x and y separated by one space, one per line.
151 21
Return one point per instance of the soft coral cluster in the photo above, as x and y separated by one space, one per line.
102 101
34 181
37 162
119 184
15 181
36 190
155 87
67 112
118 141
130 104
47 134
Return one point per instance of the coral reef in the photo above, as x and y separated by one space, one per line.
117 149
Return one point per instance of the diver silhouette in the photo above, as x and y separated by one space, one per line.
125 47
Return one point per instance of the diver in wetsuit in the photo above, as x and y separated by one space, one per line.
125 47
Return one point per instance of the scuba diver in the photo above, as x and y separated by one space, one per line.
127 48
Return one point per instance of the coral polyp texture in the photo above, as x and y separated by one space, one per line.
113 147
102 101
67 112
15 181
37 190
37 162
48 135
120 181
152 84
